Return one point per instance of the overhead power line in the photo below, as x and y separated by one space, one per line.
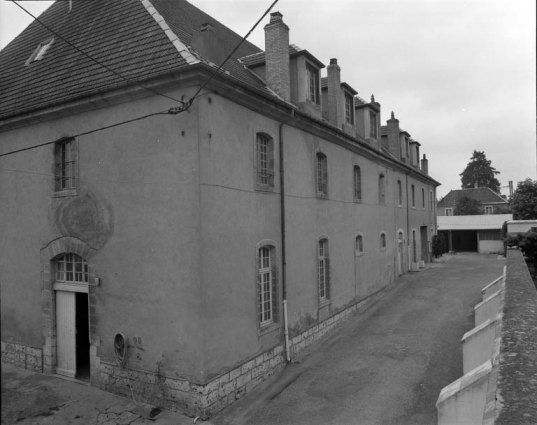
99 62
172 111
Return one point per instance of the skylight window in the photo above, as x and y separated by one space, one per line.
40 51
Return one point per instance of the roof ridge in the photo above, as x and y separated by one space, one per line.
177 43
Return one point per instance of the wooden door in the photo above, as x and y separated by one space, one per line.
66 333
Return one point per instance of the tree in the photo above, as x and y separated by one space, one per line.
524 200
467 206
527 243
479 173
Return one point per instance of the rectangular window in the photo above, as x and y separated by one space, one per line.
488 209
399 193
423 198
357 183
264 162
322 175
489 235
413 196
323 270
66 165
449 211
349 109
313 84
373 125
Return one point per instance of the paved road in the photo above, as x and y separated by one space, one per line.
386 365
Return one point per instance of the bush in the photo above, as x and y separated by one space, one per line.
439 245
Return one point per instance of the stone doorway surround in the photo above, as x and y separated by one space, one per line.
49 253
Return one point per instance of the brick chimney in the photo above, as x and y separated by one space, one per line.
425 165
277 56
208 45
394 142
335 102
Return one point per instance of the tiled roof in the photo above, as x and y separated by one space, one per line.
481 194
473 222
121 34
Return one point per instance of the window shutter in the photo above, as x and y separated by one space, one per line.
275 295
327 277
270 157
256 161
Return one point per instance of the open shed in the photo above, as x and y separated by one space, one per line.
473 233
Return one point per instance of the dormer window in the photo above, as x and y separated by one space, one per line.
373 125
349 109
312 93
40 51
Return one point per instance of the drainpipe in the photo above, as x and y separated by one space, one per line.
284 259
409 267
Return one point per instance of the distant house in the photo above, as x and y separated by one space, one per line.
473 233
491 202
520 226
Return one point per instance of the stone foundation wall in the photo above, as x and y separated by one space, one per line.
22 356
205 400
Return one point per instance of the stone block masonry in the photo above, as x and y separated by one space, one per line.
180 395
206 400
22 356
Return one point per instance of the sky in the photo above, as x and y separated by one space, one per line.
459 75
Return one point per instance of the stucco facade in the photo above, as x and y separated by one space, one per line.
169 221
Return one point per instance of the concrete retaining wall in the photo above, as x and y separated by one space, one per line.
499 356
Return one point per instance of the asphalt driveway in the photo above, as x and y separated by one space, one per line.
386 365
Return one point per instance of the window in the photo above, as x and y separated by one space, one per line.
357 183
349 109
423 198
323 270
382 189
449 211
489 209
431 200
373 125
264 162
413 192
40 51
383 241
359 245
267 286
66 165
322 175
399 193
313 84
71 268
489 235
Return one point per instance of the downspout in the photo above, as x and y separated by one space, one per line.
409 267
284 258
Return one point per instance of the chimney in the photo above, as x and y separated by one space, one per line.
208 45
277 56
394 142
335 102
425 165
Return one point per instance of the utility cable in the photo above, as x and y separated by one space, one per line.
98 62
234 50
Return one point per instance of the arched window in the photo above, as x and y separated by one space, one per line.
382 189
267 285
264 163
323 269
359 245
382 241
71 268
357 183
322 175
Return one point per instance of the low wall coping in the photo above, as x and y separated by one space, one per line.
480 327
491 284
486 300
516 387
464 381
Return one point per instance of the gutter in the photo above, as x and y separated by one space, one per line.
283 235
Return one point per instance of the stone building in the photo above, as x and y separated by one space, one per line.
176 232
491 202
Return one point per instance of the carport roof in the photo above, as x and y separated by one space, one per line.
473 222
